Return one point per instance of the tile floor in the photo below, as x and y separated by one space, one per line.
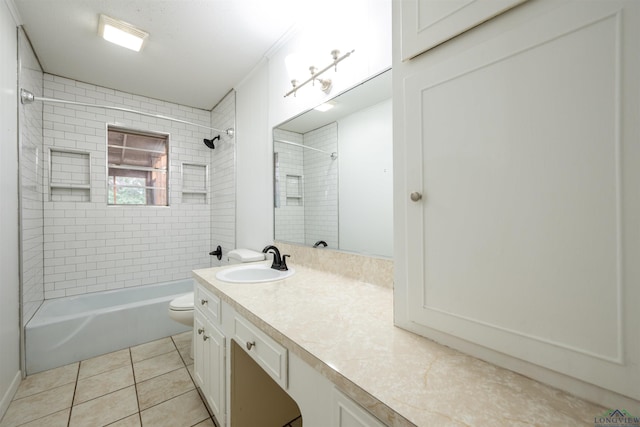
146 385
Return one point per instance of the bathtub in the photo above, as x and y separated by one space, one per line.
66 330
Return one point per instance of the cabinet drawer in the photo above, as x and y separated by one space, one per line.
270 355
208 304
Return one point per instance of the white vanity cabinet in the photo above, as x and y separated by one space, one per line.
217 343
268 354
347 413
209 359
516 180
428 23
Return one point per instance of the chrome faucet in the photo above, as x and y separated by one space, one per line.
279 263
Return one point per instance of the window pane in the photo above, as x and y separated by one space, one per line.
137 172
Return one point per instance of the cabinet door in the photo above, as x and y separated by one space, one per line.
209 364
347 413
427 23
199 359
525 149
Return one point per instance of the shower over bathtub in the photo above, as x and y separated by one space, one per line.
69 329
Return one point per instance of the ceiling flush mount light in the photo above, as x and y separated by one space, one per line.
325 84
121 33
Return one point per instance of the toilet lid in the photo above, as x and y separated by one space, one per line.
182 303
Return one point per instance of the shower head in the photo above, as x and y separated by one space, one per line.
209 142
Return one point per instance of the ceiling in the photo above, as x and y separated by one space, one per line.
364 95
196 52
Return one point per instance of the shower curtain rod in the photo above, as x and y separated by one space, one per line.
333 155
27 97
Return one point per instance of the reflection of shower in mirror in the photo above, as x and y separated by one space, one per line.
332 178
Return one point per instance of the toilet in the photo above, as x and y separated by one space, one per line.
181 308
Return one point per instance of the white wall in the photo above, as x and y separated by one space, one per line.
363 25
321 186
89 246
223 180
289 215
9 285
366 181
254 190
31 182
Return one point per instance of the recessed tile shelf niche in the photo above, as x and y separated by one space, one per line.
69 175
294 190
195 178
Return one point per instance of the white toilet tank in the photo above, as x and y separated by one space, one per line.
239 256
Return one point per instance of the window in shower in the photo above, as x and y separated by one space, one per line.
137 167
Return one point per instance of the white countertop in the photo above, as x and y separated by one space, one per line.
344 329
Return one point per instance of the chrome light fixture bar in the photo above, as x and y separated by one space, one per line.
326 84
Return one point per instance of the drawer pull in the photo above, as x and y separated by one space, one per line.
200 331
203 301
204 338
250 345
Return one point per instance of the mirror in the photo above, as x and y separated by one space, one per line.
333 173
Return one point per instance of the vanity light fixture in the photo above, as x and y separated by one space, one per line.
325 84
121 33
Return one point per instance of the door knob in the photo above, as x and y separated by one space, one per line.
415 196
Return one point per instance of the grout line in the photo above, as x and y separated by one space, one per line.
73 398
135 386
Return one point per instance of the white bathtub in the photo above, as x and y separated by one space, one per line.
70 329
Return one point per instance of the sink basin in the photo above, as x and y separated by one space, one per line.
260 273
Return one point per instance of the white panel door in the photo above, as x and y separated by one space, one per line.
525 149
427 23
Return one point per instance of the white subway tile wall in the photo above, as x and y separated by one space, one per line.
289 218
32 189
316 217
321 186
89 246
223 180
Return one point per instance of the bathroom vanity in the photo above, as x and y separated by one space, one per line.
329 344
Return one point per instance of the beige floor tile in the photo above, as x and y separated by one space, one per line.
183 338
58 419
190 370
104 383
157 365
183 343
206 423
47 380
151 349
105 409
104 363
39 405
163 387
131 421
182 411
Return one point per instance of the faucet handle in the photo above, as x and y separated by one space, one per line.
283 265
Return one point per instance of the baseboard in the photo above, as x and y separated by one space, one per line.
8 396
